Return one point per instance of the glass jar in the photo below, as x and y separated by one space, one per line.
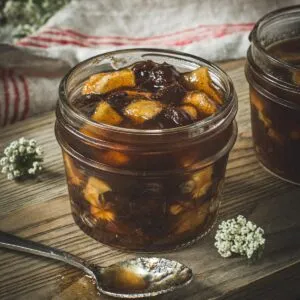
274 84
144 190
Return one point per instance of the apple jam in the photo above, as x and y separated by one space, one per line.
145 137
273 69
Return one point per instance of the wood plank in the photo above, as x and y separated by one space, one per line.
40 210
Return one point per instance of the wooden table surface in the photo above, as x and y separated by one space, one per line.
39 210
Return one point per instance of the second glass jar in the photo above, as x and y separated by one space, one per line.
273 73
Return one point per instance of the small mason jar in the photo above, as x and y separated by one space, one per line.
274 81
144 190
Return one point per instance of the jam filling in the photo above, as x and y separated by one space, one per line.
149 95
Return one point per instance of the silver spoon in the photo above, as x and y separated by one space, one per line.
135 278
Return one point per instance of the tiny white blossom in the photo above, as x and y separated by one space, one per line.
15 152
245 230
12 159
39 151
227 254
3 161
251 226
17 173
4 169
259 231
11 167
30 150
31 171
32 143
14 145
241 220
249 253
7 151
10 176
21 149
234 248
35 164
22 141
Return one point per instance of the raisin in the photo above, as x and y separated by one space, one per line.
118 100
174 116
142 70
172 93
87 103
161 76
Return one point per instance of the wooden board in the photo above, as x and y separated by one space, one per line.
39 210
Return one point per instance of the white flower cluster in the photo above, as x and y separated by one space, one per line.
239 236
26 16
22 157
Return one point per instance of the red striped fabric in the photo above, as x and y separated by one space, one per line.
58 36
30 44
71 32
26 97
6 97
16 97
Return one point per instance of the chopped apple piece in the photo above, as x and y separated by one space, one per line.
187 158
106 114
93 189
276 136
181 207
89 131
142 110
175 209
200 79
137 93
191 219
73 174
257 103
199 184
103 212
267 122
296 77
201 102
89 86
115 158
106 82
190 110
203 181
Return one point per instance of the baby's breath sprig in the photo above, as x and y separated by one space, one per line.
26 16
21 158
239 236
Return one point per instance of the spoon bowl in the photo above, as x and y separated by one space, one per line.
134 278
142 277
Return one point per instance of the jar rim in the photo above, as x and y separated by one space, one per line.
197 127
253 37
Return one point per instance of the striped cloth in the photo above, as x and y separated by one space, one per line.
31 70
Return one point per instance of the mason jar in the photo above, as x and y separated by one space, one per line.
273 73
144 190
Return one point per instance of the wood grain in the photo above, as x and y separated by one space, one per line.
39 210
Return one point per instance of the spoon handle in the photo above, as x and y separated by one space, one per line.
16 243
